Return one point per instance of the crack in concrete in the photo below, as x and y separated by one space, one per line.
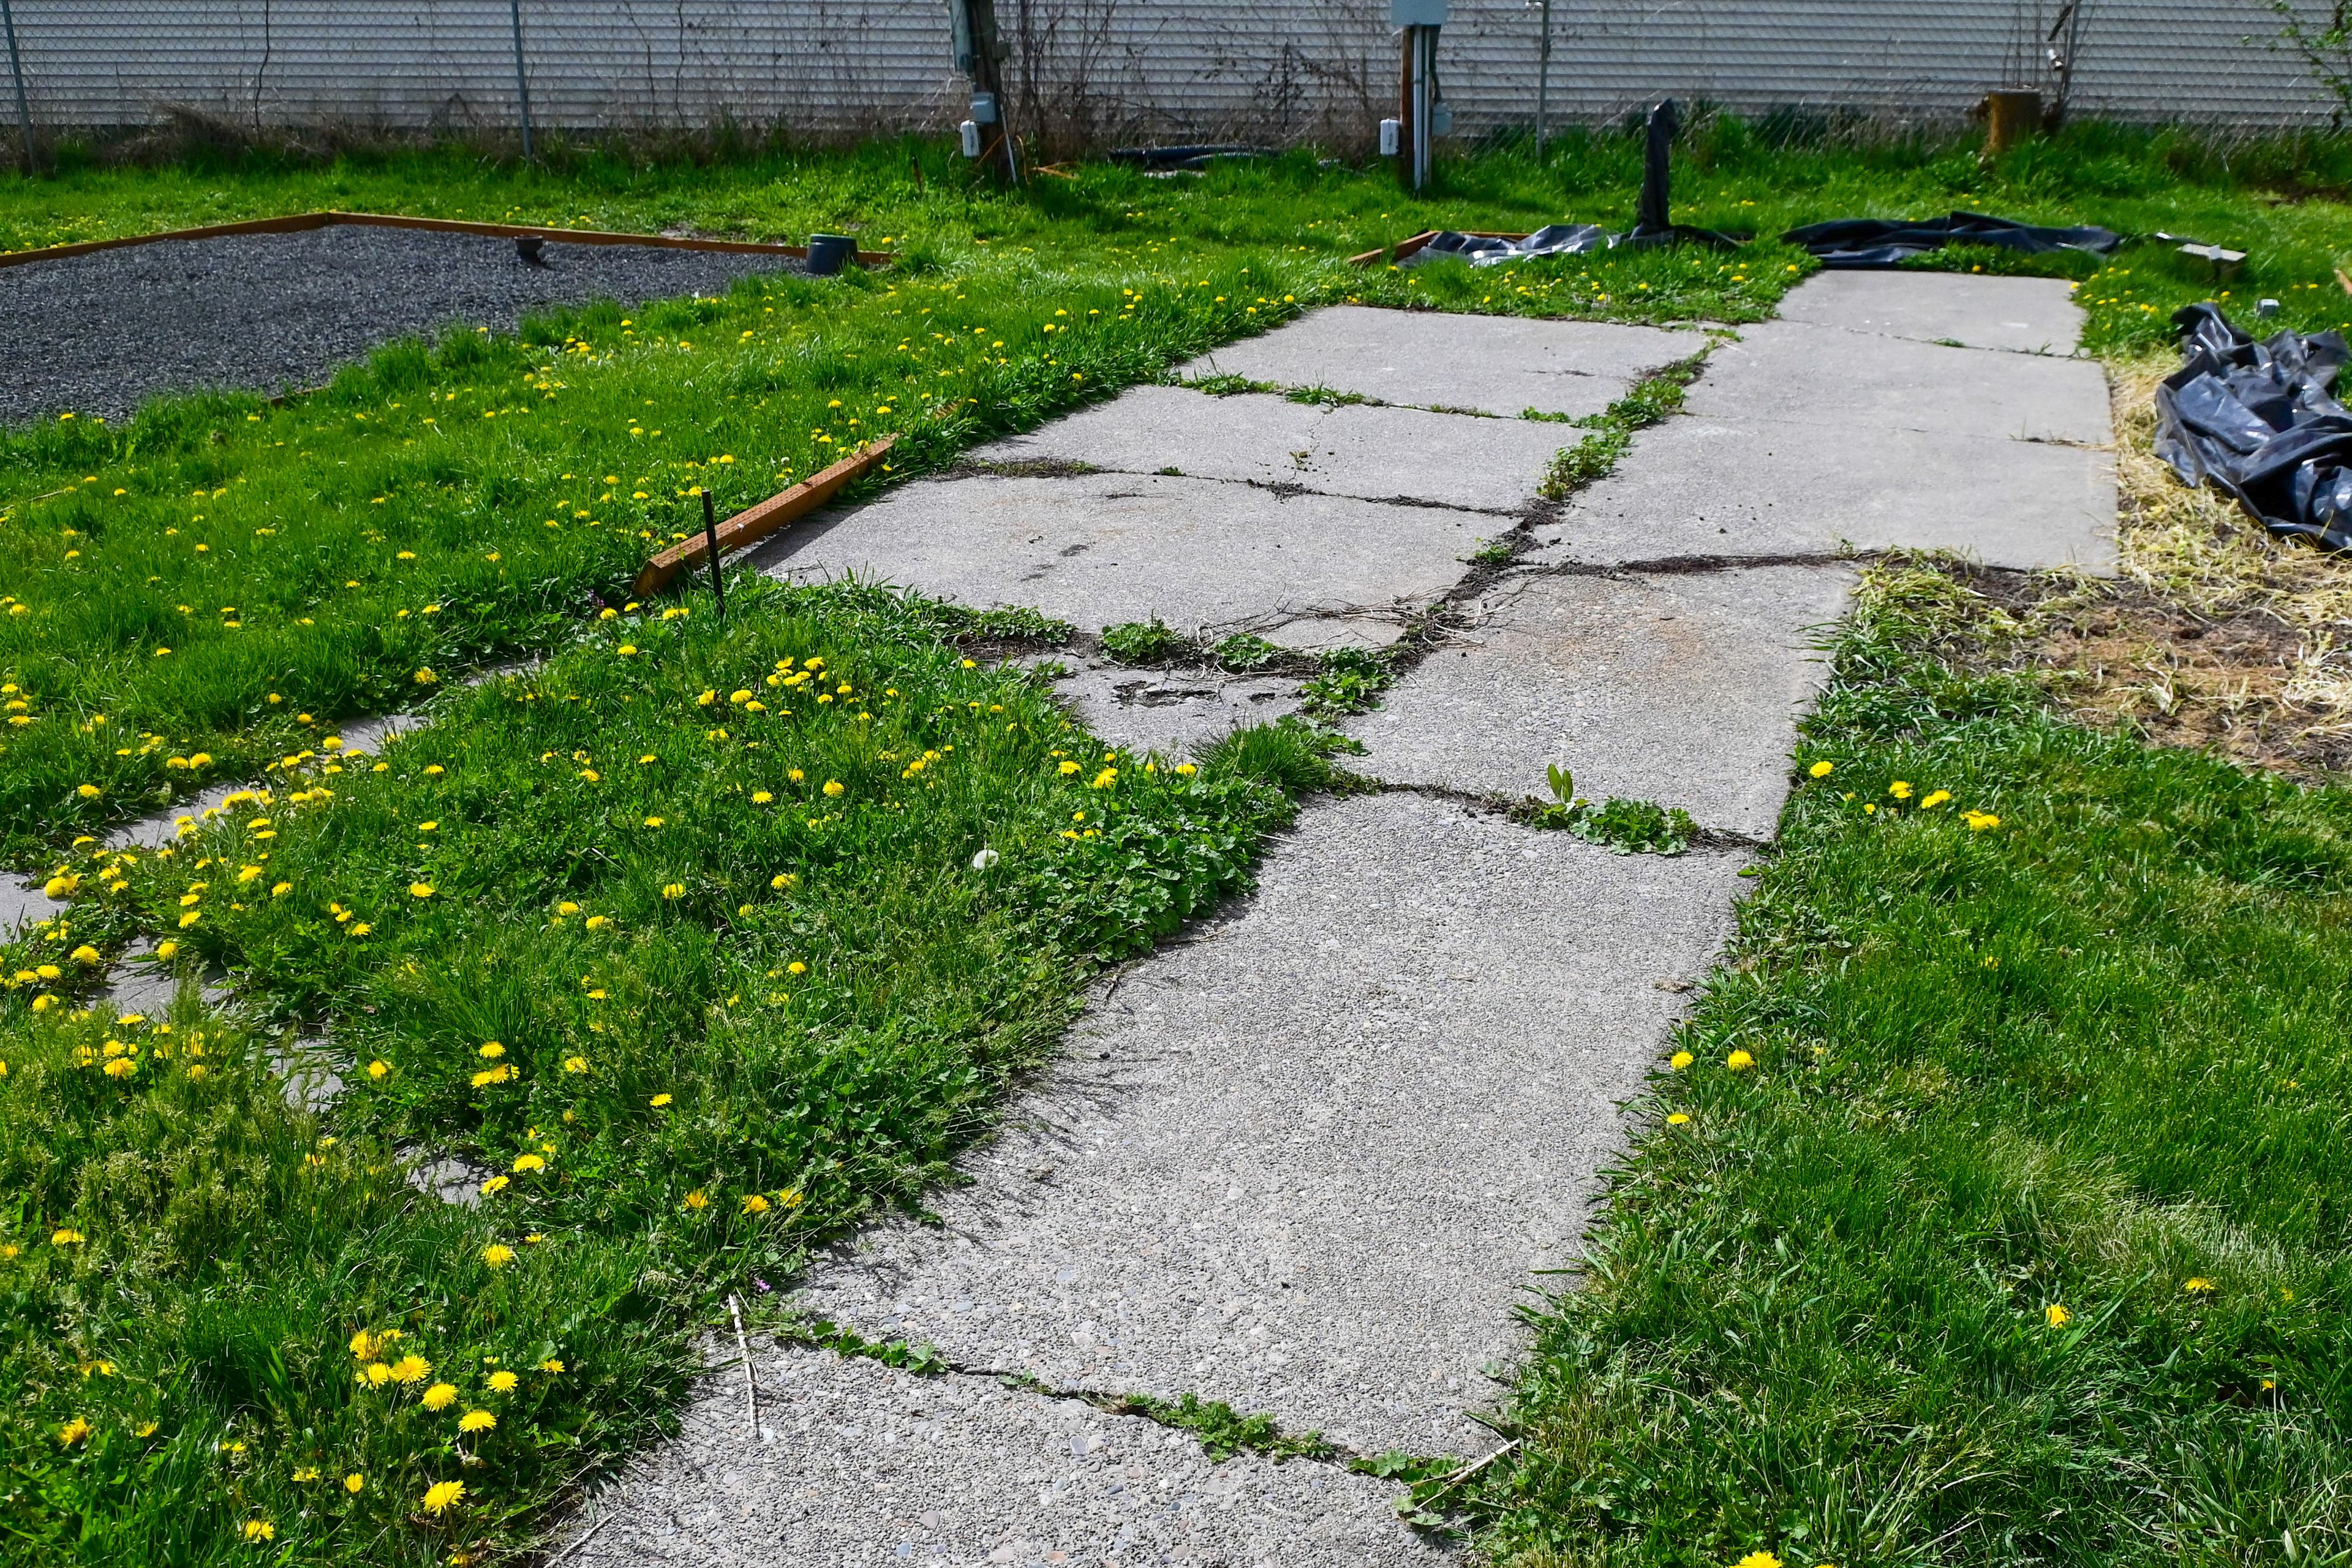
1492 804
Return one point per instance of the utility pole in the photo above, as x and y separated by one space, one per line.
24 106
981 52
1543 78
1417 108
522 82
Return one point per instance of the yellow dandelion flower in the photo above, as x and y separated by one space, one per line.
66 1238
308 1473
411 1368
834 786
695 1199
1678 1118
88 791
494 1186
1900 789
492 1050
442 1496
377 1373
1739 1061
673 890
354 1483
420 890
1935 798
761 797
1680 1060
1980 821
503 1382
85 954
1759 1559
575 1064
73 1431
754 1203
659 1100
1821 769
1069 767
1185 770
498 1256
2056 1316
597 923
2199 1286
440 1397
259 1529
377 1069
477 1421
551 1364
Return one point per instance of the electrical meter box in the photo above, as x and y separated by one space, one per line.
1416 13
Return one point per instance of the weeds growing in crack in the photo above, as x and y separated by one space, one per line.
1655 397
1627 826
1293 754
820 1333
1223 1431
1146 642
1242 653
1351 678
1434 1502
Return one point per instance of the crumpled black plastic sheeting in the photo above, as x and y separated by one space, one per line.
1489 250
1857 242
2260 421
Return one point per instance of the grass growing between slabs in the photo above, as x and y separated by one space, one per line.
697 943
1994 1210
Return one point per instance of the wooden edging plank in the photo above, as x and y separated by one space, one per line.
750 526
297 222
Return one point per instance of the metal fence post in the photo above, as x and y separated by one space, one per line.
16 69
522 83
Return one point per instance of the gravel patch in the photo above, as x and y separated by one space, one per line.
99 335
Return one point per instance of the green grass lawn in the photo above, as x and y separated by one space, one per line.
605 929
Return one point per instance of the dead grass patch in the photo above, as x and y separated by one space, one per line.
2213 634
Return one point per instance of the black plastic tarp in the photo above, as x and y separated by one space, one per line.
2259 420
1487 250
1854 242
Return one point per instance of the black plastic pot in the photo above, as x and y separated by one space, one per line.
829 253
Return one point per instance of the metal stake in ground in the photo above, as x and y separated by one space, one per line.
710 538
16 69
522 83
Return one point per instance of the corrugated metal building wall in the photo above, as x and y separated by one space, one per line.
1115 69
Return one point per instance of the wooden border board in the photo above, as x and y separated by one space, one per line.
299 223
1413 244
769 517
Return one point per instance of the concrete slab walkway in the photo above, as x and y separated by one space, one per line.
1307 1159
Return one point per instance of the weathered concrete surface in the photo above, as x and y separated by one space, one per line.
1172 712
2024 315
1493 364
1102 548
858 1464
1303 1160
1697 487
1379 454
1790 372
1682 688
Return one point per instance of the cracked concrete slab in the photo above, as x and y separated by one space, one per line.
858 1463
1791 370
2024 315
1103 549
1304 1160
1379 454
1684 688
1697 489
1492 364
1172 712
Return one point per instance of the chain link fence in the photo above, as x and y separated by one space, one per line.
1086 73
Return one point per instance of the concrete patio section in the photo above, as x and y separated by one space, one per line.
1789 372
860 1465
1488 364
1697 488
1102 548
1304 1159
2022 315
1376 453
1681 689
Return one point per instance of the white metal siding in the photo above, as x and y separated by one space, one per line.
1113 70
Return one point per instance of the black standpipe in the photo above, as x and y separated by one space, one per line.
1653 215
711 538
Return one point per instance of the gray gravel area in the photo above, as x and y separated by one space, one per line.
99 335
